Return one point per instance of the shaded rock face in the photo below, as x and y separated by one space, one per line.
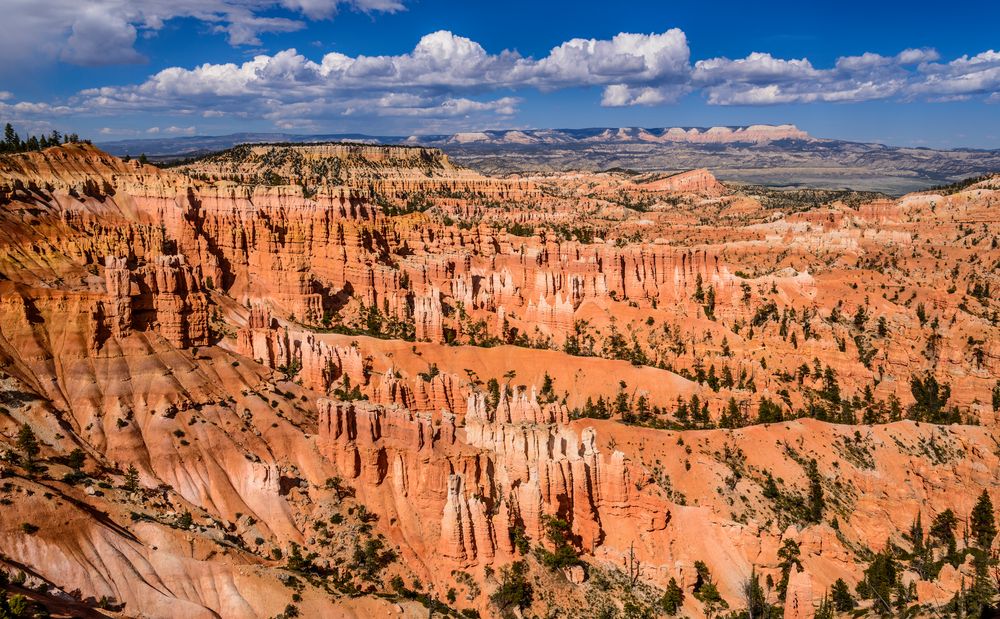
318 364
334 365
163 297
169 297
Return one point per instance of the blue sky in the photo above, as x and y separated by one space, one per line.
893 72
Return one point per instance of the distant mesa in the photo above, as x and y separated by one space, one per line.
461 138
753 134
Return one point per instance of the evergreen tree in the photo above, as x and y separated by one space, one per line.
930 399
642 408
547 393
860 317
943 529
825 610
15 606
492 393
131 482
707 592
712 600
922 558
770 488
727 377
916 534
789 555
681 413
895 408
983 589
712 379
880 581
732 417
754 597
514 591
673 598
299 562
12 141
621 402
562 554
831 388
841 597
76 459
983 523
768 412
185 520
27 444
816 502
710 303
699 292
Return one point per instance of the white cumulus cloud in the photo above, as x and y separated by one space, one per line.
444 76
447 80
103 32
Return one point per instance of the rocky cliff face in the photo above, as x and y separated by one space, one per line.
317 375
469 487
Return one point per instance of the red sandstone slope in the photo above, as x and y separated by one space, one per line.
218 327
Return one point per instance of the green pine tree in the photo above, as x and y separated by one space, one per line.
789 555
816 502
841 596
673 598
982 522
131 483
27 444
754 597
12 141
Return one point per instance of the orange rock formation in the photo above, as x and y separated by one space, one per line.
318 375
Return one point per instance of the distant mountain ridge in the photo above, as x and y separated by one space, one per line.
193 145
752 134
775 155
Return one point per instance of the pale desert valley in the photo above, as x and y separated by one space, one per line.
353 380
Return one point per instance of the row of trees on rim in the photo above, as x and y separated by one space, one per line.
12 142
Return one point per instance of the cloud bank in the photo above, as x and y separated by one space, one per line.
448 79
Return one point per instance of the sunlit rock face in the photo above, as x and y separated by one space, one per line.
336 371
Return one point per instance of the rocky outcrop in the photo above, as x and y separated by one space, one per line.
118 312
701 181
528 465
165 296
554 471
799 596
180 309
428 316
299 353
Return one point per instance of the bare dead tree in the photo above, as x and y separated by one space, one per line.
634 566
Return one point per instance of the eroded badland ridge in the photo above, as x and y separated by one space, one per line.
362 381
